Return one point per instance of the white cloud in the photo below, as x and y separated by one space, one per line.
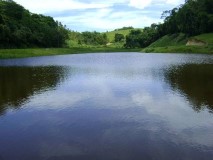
41 6
99 15
174 2
106 19
180 117
139 3
54 101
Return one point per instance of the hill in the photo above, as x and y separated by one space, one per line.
76 37
19 28
111 34
171 40
192 18
125 31
208 38
176 43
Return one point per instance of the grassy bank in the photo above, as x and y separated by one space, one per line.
176 43
179 49
21 53
208 38
170 40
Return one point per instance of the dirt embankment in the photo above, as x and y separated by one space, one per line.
196 42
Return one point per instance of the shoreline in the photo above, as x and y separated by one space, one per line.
180 49
37 52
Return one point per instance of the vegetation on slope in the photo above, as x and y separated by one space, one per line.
112 39
180 49
208 38
192 18
21 29
111 34
176 43
171 40
86 39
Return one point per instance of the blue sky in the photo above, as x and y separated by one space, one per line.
102 15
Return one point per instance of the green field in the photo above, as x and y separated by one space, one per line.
21 53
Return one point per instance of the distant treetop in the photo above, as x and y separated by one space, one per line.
124 28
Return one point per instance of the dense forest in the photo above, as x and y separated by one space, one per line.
21 29
192 18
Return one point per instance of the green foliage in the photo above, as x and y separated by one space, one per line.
133 39
116 45
171 40
119 37
111 34
124 28
208 38
20 29
193 18
138 38
179 49
176 43
93 38
86 39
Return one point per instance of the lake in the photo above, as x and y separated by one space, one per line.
107 106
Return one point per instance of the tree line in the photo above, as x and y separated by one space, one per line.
19 28
88 38
93 38
194 17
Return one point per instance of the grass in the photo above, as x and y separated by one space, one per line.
111 34
73 39
170 40
208 38
167 44
176 43
179 49
22 53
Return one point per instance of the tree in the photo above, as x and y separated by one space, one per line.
133 39
119 37
93 38
20 29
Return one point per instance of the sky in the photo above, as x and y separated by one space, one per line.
101 15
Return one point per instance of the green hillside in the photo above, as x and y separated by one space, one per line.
19 28
170 40
111 35
208 38
176 43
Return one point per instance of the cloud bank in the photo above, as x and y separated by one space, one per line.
99 15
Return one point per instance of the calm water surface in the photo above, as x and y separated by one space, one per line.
114 106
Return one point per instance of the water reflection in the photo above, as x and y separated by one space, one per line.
17 84
106 106
195 82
